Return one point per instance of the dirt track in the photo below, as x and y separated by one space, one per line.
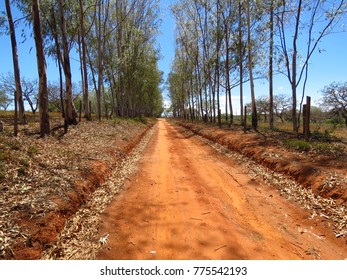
189 202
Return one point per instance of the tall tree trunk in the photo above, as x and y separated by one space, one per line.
250 66
271 64
59 59
70 114
294 63
227 77
41 65
18 95
87 114
100 70
241 62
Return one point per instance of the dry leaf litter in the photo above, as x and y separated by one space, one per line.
80 237
326 208
36 170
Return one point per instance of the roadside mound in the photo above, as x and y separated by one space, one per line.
43 182
325 175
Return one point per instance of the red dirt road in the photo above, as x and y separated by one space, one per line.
187 201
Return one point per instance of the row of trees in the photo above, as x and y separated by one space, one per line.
222 44
115 41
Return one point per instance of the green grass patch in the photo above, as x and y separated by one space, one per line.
13 145
298 145
323 148
32 150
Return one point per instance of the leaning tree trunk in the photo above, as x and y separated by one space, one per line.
41 66
18 94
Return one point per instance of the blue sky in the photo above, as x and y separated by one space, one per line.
325 67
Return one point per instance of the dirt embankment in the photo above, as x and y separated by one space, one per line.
325 175
58 176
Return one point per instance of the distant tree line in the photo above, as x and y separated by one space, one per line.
332 106
115 42
223 44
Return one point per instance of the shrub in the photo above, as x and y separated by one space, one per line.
298 145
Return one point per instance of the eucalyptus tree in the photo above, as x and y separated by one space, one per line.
70 112
212 34
18 96
194 38
59 32
255 29
84 75
41 64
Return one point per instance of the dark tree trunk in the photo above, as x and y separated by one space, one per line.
41 65
70 114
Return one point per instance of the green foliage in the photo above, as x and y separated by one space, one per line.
24 162
142 119
298 145
3 156
335 121
315 146
5 101
322 137
13 145
335 100
328 149
2 171
32 150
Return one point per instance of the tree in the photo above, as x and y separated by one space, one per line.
313 19
263 106
18 92
41 66
29 89
250 67
271 53
5 101
282 106
84 63
70 114
30 93
335 99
